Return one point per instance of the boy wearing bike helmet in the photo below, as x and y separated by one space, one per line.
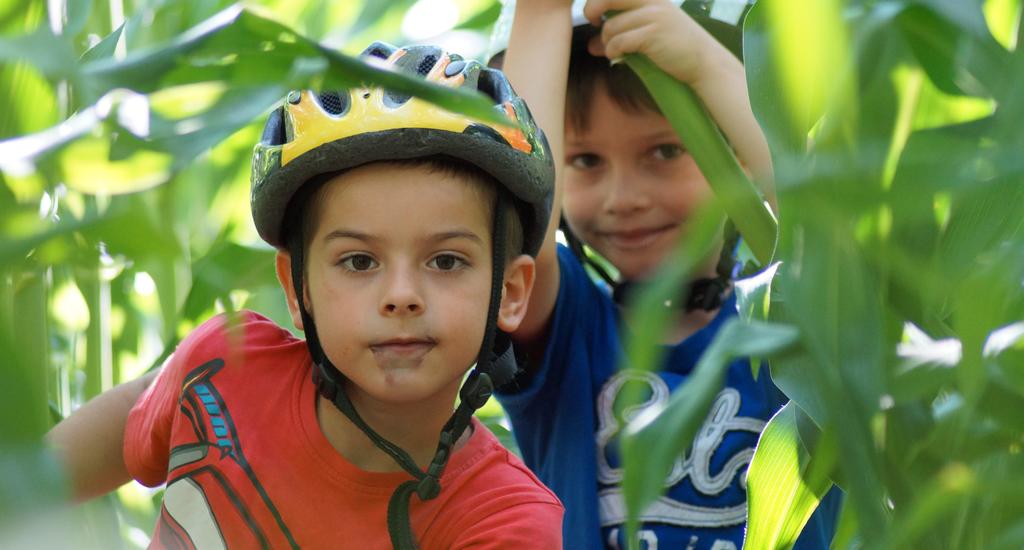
626 188
405 236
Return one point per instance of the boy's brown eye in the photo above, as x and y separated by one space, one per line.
447 262
667 151
358 262
584 161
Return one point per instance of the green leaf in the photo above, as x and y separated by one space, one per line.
33 483
261 58
648 317
49 53
373 12
936 501
786 134
827 286
753 299
246 49
228 266
78 12
789 29
940 42
189 137
785 482
655 438
24 342
482 19
104 48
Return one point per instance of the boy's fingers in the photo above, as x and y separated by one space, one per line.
630 41
594 9
595 46
627 21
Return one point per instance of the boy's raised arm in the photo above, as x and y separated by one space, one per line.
675 42
537 65
90 441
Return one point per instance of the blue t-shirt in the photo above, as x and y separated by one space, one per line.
564 423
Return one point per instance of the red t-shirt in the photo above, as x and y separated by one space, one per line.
230 425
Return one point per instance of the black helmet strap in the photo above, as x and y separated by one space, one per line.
495 366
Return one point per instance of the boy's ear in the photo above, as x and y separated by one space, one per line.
515 294
283 264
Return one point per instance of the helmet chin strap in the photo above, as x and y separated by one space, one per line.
495 366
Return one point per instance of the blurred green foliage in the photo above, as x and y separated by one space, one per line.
895 130
896 314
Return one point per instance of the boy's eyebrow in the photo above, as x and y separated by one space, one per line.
664 135
349 234
437 237
660 135
457 234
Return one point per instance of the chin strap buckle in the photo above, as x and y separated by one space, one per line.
324 385
428 488
477 389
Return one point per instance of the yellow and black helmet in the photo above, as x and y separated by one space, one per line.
312 134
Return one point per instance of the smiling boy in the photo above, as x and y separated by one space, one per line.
405 244
627 188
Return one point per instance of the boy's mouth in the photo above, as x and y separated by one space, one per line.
635 238
402 347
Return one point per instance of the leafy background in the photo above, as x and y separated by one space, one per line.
896 308
894 319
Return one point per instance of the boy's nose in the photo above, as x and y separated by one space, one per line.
401 297
623 194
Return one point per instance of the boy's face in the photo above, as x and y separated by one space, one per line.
398 281
629 185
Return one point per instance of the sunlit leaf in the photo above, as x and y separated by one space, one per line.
1000 16
785 482
104 48
90 169
227 267
938 42
843 374
78 12
792 27
753 299
482 19
24 341
262 58
250 50
45 51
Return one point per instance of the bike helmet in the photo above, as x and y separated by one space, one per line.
316 134
723 19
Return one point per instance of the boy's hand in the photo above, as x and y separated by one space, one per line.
656 28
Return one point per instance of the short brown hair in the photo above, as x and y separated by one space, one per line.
587 73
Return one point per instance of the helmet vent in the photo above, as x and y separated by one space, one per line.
333 102
426 64
274 132
379 50
395 100
492 83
